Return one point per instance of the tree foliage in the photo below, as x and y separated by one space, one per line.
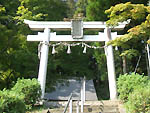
127 83
96 8
81 7
139 101
71 8
134 91
136 33
41 10
22 96
16 54
130 12
11 102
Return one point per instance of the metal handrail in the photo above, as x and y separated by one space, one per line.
67 103
77 106
70 99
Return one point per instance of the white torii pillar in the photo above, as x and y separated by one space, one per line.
110 65
43 60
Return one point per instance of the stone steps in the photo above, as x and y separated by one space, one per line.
88 110
89 107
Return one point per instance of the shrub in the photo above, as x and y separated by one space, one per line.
128 83
139 101
30 89
11 102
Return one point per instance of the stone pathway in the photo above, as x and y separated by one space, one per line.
73 86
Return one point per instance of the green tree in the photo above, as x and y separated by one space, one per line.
41 10
9 41
81 8
71 8
137 31
96 8
18 58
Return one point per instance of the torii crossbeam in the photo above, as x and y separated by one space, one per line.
46 37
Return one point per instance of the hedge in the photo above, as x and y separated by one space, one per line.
11 102
127 83
22 96
30 89
139 101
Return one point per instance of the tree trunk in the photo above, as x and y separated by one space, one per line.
147 60
124 64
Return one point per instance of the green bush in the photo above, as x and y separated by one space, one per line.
139 101
30 89
11 102
128 83
22 96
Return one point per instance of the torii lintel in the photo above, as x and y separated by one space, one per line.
61 25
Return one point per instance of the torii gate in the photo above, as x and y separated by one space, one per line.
77 35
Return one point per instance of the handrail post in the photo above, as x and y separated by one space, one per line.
77 108
82 95
70 106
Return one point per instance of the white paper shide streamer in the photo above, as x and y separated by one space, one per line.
68 50
84 50
53 50
116 48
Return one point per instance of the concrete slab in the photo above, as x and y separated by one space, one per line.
63 92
